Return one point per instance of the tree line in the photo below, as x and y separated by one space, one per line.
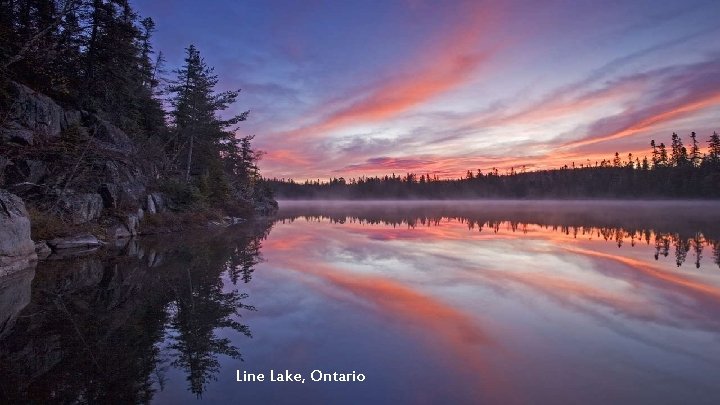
674 172
663 242
97 56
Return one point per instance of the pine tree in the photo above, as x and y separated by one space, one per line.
714 149
695 158
200 133
662 156
655 154
679 153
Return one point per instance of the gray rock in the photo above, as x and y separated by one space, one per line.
16 247
74 242
133 223
118 231
32 114
118 244
150 205
42 250
128 191
109 137
72 118
159 201
81 208
156 260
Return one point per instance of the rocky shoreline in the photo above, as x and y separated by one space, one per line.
75 182
18 251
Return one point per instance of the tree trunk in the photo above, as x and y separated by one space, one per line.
92 45
189 159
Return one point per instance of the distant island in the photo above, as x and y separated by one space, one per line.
678 174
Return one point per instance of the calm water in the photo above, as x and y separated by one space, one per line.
486 302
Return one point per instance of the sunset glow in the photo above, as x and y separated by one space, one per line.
381 87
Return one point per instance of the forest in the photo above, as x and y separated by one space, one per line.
676 172
120 111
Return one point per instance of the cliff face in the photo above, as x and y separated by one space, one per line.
73 165
78 174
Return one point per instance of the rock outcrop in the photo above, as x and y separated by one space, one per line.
81 208
76 170
17 250
35 116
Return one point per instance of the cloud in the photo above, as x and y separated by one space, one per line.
387 163
438 68
678 91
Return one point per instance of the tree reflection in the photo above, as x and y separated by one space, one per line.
679 233
199 310
105 329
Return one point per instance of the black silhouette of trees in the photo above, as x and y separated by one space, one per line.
682 174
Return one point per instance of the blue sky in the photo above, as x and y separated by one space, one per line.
351 88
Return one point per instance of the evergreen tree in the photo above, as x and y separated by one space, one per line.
679 153
662 156
655 154
695 157
714 149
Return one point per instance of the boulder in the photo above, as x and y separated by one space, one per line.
32 115
74 242
42 250
118 231
81 208
150 205
16 247
109 137
132 222
125 185
158 202
73 118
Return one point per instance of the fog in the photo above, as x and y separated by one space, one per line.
683 217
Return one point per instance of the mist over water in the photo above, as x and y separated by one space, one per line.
455 302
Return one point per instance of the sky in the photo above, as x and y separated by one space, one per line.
362 88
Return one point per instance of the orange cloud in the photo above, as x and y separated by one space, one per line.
667 114
435 71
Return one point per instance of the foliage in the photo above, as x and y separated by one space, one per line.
97 56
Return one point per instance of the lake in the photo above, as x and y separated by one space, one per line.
430 302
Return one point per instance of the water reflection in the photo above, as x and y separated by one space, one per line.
106 329
433 302
678 227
